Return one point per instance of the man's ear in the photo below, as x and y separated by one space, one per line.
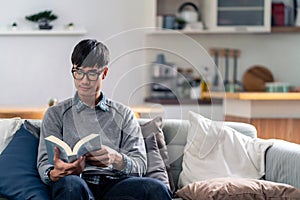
104 73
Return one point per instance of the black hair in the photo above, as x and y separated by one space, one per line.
90 53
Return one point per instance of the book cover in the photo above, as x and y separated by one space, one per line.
87 144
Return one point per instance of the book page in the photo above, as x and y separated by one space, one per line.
89 143
61 144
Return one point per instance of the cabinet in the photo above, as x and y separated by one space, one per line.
275 115
211 12
232 15
179 108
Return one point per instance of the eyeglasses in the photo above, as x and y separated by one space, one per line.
91 75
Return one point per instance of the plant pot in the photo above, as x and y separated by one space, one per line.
44 24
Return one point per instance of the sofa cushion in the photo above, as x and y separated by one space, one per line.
155 165
214 150
18 173
283 163
154 127
8 128
237 188
33 127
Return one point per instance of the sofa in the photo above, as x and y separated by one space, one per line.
282 159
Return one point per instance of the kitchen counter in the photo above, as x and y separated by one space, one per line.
23 112
275 115
254 95
38 112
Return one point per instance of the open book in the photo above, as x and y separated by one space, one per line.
87 144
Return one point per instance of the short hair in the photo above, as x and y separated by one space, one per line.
90 53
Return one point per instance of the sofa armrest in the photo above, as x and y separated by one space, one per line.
283 163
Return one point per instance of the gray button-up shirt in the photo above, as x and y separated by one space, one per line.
71 120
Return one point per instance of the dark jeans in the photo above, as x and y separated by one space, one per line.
129 188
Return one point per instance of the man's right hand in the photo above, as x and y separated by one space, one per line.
62 169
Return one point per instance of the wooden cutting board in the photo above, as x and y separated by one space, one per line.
255 78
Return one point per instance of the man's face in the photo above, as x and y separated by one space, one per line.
90 85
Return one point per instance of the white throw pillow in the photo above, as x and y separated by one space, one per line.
214 150
8 127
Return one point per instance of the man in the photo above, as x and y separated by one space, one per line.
113 171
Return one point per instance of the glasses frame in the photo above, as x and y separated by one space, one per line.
86 74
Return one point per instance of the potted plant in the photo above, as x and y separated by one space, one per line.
43 19
180 23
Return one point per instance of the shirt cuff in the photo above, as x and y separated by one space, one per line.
46 175
127 165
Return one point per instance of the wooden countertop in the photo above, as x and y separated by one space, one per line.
23 112
38 112
254 95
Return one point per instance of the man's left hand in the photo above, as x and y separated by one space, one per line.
104 157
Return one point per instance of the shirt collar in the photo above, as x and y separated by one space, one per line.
80 105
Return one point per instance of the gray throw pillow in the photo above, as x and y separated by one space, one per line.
155 127
155 165
32 128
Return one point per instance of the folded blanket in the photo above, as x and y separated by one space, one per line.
8 127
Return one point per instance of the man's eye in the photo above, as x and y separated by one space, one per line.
80 72
93 74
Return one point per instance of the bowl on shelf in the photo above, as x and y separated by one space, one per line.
277 87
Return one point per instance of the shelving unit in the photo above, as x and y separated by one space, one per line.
279 29
171 7
36 32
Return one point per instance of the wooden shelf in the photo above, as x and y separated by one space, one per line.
286 29
36 32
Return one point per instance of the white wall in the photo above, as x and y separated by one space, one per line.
36 68
279 52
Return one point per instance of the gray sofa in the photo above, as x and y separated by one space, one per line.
282 159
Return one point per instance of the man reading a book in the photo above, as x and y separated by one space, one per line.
114 168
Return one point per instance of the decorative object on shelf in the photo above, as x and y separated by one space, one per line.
52 102
169 21
70 26
14 26
43 19
255 78
180 23
188 15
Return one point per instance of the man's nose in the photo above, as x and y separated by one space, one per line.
85 79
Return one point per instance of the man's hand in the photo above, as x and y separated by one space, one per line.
62 169
105 157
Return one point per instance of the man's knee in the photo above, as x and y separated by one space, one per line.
70 187
155 188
